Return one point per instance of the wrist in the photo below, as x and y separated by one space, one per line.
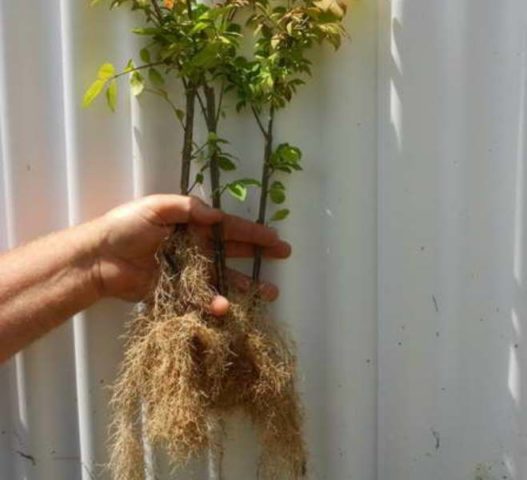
89 237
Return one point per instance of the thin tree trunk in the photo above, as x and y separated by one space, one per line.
264 192
188 138
186 158
217 229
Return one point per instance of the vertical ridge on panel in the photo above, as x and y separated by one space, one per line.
44 421
348 217
156 145
99 158
420 197
517 381
6 459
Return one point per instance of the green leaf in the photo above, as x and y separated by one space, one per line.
129 66
200 178
146 31
277 192
180 114
106 71
213 138
111 95
249 182
137 84
237 190
290 154
279 215
145 55
199 27
155 77
93 92
226 164
206 57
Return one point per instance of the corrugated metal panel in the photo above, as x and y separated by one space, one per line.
410 246
452 292
61 165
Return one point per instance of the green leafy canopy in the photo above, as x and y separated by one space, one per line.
199 44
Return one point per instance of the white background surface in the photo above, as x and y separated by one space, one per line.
406 291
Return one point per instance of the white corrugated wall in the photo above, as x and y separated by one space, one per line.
407 289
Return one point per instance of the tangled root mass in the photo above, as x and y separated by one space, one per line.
184 368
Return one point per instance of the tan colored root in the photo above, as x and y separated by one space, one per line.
184 368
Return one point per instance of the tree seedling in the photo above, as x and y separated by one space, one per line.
183 368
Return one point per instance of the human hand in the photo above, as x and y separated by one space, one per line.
129 236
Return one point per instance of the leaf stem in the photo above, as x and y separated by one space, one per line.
264 192
170 103
130 70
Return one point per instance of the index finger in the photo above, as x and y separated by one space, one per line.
239 229
163 210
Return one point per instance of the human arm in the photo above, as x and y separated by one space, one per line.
47 281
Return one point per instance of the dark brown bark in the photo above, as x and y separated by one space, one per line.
211 119
264 192
188 138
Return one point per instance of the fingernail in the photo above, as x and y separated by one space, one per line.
287 248
269 290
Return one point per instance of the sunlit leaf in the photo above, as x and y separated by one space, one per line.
137 84
111 95
93 92
106 71
237 190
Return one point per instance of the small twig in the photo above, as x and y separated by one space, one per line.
259 121
201 104
157 10
170 102
220 101
201 170
130 70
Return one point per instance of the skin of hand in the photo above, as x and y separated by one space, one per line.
45 282
131 235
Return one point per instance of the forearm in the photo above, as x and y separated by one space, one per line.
44 283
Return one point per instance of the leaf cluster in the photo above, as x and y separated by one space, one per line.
200 44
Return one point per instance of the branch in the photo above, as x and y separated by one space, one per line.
201 104
190 97
217 229
157 10
259 121
135 69
266 176
220 101
170 102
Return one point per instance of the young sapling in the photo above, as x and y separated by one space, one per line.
184 368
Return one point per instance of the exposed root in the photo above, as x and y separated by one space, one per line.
183 369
